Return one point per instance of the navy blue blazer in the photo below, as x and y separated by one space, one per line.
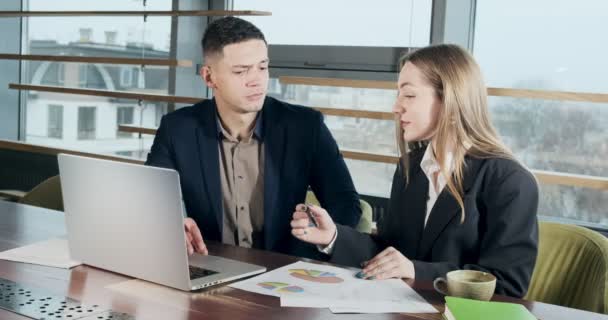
299 152
499 233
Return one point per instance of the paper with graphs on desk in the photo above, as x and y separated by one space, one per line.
310 285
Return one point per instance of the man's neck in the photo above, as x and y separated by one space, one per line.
238 125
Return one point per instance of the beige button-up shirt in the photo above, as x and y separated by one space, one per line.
242 182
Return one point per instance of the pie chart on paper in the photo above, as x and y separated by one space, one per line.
315 276
280 287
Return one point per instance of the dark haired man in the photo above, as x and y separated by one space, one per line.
246 160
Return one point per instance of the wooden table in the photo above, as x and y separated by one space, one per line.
22 224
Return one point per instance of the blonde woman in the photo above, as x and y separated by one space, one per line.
459 199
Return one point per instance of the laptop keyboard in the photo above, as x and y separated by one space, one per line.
196 272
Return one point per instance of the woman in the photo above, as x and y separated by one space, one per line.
459 199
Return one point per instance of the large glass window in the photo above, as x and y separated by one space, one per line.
98 36
354 134
547 45
382 23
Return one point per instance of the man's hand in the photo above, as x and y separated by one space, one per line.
194 239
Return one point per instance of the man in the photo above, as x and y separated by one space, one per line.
246 160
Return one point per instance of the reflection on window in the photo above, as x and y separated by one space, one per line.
55 123
86 123
124 115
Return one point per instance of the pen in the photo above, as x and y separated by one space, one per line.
313 222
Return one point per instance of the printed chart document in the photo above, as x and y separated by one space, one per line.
52 253
304 284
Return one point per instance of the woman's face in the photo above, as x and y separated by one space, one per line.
417 106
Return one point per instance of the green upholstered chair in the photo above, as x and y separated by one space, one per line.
47 194
365 223
571 268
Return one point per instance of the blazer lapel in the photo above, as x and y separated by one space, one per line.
274 155
208 153
446 209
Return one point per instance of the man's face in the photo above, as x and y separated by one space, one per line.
239 77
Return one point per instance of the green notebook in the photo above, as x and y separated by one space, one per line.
467 309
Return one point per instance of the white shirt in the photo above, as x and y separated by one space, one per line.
430 166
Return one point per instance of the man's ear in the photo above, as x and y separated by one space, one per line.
207 76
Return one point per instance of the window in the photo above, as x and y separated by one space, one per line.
124 115
530 45
60 73
86 123
367 135
324 35
126 76
48 73
55 121
383 23
83 71
93 36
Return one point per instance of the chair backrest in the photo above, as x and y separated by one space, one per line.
47 194
365 222
571 268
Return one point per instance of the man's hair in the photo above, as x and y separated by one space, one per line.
226 31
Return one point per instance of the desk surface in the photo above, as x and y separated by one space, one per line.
22 224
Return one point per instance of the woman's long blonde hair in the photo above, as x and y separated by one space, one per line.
464 124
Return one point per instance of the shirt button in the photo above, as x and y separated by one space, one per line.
242 208
240 177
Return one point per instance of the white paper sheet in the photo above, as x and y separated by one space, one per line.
386 307
52 253
303 284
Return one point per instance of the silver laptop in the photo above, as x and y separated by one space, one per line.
127 218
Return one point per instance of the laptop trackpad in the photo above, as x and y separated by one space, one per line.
218 264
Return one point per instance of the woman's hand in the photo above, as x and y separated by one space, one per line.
389 263
313 224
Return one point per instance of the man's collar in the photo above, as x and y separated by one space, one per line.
258 130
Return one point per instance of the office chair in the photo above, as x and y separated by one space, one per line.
571 268
47 194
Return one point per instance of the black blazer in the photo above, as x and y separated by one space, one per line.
499 234
299 151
